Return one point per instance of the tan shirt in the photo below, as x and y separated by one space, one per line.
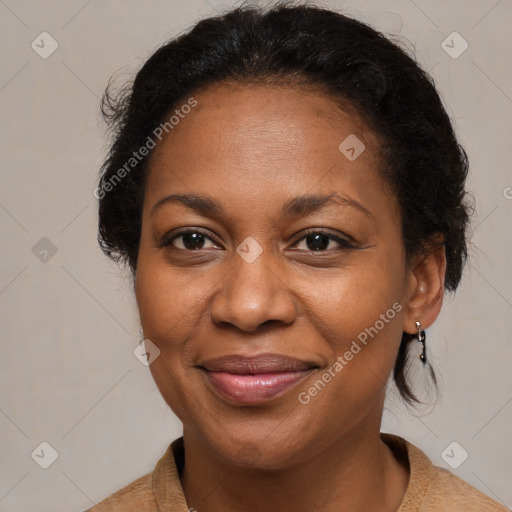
430 489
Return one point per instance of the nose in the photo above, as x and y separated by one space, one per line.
253 294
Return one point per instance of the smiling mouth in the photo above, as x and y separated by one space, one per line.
251 380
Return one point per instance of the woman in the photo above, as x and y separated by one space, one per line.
288 192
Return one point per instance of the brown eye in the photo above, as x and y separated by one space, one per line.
188 240
321 241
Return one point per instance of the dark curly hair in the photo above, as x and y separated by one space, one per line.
308 46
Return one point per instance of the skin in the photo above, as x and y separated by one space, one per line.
251 149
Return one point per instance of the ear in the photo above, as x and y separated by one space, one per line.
426 276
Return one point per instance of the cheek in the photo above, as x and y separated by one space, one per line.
365 296
168 310
167 300
358 315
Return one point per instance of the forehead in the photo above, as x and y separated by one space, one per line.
265 142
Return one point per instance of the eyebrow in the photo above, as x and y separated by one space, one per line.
295 207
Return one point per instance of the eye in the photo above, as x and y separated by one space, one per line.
322 241
198 239
189 240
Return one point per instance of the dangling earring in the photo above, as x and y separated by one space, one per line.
421 338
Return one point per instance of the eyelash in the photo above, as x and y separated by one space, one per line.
344 243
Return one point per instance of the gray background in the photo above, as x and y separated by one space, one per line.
69 323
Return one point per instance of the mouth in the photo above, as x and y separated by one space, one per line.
251 380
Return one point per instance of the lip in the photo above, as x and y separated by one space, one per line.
254 379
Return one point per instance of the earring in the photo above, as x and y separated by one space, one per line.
421 337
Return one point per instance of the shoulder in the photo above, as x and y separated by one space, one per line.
154 491
449 492
136 496
435 489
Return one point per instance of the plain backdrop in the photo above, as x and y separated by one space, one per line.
68 375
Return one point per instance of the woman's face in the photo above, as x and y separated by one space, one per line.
279 315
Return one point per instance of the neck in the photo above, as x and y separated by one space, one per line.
356 472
